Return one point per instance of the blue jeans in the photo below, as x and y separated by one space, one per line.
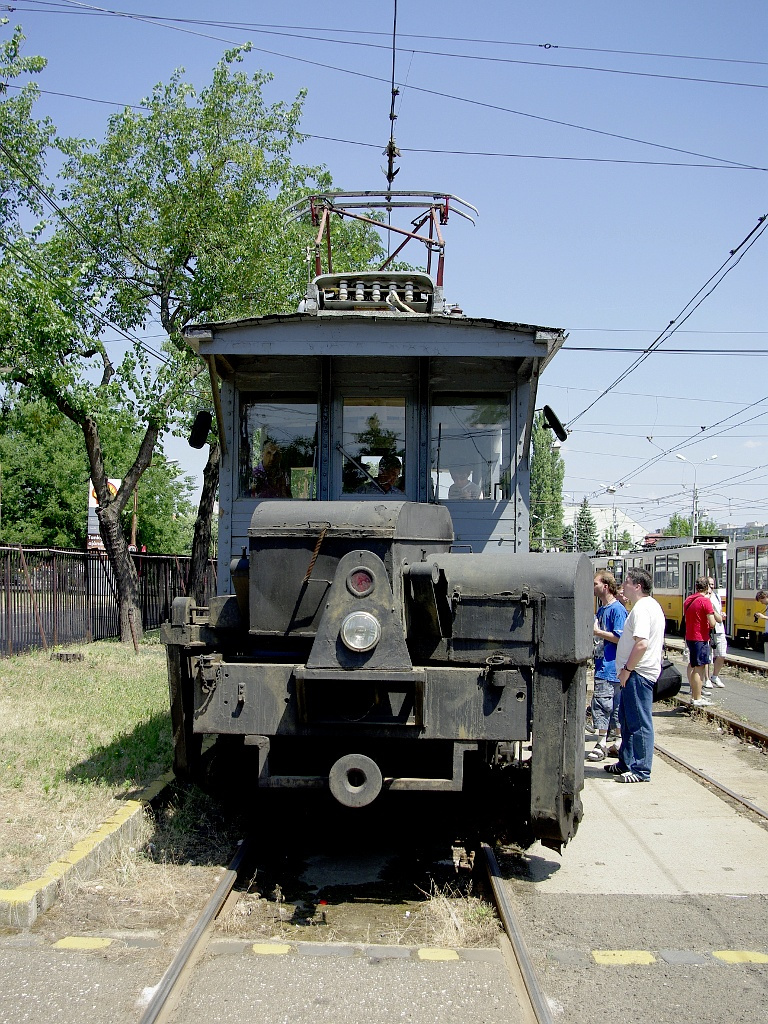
605 704
636 720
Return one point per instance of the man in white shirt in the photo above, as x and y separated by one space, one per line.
720 644
638 663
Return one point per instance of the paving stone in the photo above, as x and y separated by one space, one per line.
387 952
326 949
684 956
487 956
568 957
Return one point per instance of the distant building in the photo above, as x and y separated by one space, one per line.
743 532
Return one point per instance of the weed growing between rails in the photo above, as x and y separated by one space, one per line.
453 917
445 916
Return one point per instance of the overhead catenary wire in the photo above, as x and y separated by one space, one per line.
693 303
434 92
67 7
485 154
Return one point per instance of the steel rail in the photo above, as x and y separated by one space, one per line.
536 996
712 782
739 661
194 939
751 732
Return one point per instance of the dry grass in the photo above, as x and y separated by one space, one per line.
75 737
158 881
446 917
454 918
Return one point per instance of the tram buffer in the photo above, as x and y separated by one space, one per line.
369 641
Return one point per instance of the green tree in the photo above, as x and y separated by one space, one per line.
174 217
45 475
23 140
547 472
680 526
586 529
623 541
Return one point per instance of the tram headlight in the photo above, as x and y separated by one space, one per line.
360 632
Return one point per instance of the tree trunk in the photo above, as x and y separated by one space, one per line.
126 578
201 543
110 528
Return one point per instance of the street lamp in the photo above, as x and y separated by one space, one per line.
695 509
611 489
541 520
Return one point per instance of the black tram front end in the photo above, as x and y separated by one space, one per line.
381 624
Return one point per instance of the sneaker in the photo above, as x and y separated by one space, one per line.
630 777
718 682
614 769
708 684
702 702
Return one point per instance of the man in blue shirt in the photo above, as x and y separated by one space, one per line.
609 623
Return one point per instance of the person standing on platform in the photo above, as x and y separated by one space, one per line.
699 620
718 643
638 664
609 623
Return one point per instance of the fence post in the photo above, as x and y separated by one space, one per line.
8 615
55 601
88 601
34 599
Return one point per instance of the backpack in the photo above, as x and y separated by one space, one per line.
669 682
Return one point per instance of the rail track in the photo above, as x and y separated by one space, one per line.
172 983
516 955
738 728
534 1008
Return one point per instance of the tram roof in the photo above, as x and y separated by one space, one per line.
382 333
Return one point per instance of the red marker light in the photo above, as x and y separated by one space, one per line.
360 582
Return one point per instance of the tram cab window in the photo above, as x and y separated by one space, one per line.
716 566
666 572
745 568
278 446
470 447
761 581
373 447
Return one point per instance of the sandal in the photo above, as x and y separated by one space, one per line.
613 750
598 754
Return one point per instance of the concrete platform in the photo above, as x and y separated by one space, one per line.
649 834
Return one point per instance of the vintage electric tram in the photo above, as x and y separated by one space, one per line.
380 624
739 567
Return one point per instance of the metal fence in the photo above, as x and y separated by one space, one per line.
50 597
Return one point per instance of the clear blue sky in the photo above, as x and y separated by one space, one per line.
608 238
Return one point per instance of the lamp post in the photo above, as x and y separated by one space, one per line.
695 509
611 489
540 519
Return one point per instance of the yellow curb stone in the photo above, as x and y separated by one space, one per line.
82 942
270 948
623 956
740 956
435 953
14 895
